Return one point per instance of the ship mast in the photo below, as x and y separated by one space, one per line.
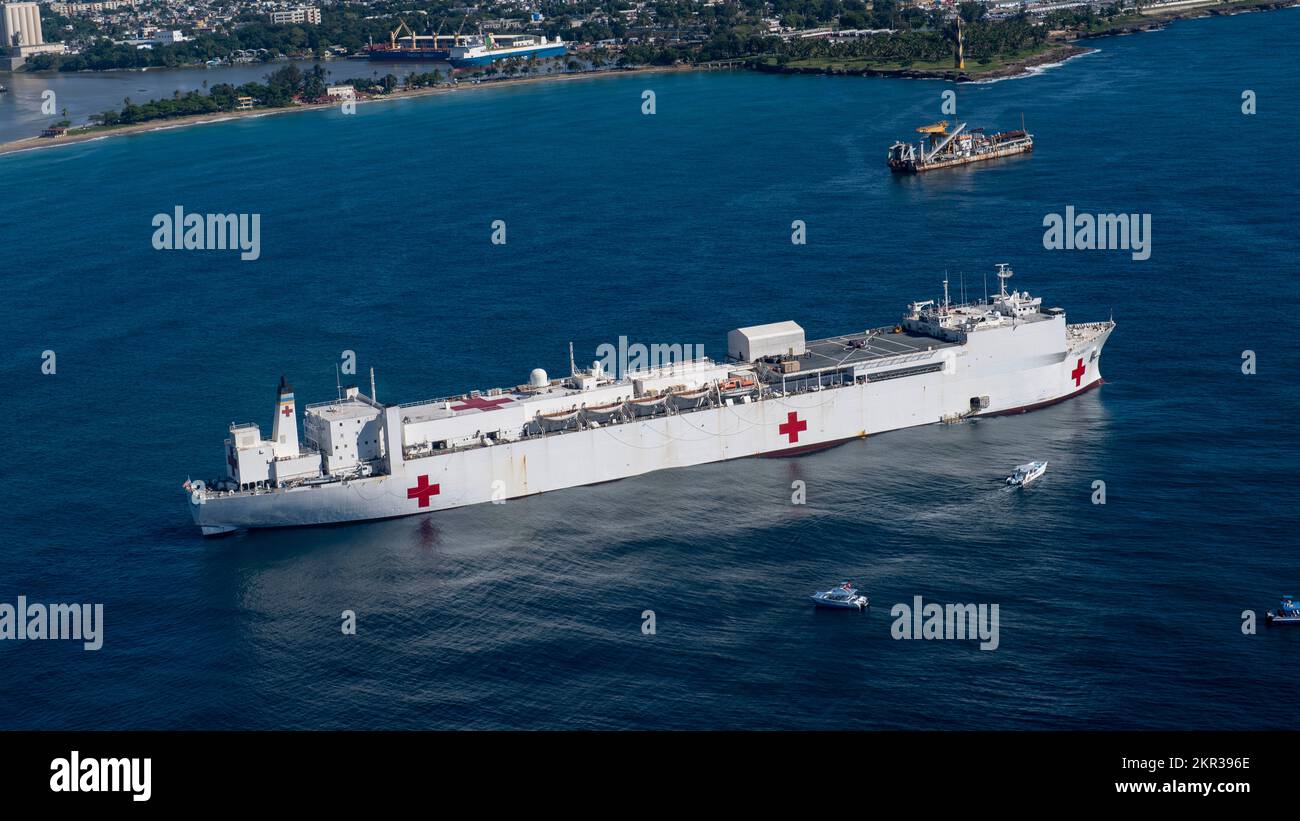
1004 273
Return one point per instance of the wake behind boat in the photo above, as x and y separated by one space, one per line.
844 597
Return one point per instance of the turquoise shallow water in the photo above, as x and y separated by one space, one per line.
668 228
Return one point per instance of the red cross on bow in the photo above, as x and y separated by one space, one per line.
286 410
481 403
1078 373
422 491
793 424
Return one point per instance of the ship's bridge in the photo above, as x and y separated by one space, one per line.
953 323
347 431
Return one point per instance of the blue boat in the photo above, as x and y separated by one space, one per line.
1287 612
424 55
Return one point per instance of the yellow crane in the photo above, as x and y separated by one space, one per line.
401 24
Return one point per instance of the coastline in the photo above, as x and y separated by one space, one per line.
94 133
1156 19
1056 52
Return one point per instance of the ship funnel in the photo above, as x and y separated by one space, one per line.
284 431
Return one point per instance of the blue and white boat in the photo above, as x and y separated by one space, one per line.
1287 612
844 597
489 48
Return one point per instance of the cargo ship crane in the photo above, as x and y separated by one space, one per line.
392 36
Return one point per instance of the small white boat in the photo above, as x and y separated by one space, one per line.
844 597
1026 473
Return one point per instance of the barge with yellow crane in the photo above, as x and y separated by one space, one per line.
944 148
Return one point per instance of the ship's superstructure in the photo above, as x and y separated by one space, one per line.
778 393
492 47
959 146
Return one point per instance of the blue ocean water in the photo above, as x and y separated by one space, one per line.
669 228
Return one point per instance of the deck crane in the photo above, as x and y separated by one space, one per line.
940 136
392 37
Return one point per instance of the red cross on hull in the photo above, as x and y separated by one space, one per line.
423 491
1078 372
792 426
480 403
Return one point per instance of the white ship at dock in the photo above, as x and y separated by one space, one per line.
777 394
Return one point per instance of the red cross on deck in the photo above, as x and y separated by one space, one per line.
286 410
793 425
1078 373
422 491
481 404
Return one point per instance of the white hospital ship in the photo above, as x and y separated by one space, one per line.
776 394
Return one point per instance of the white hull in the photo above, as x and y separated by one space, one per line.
1014 374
